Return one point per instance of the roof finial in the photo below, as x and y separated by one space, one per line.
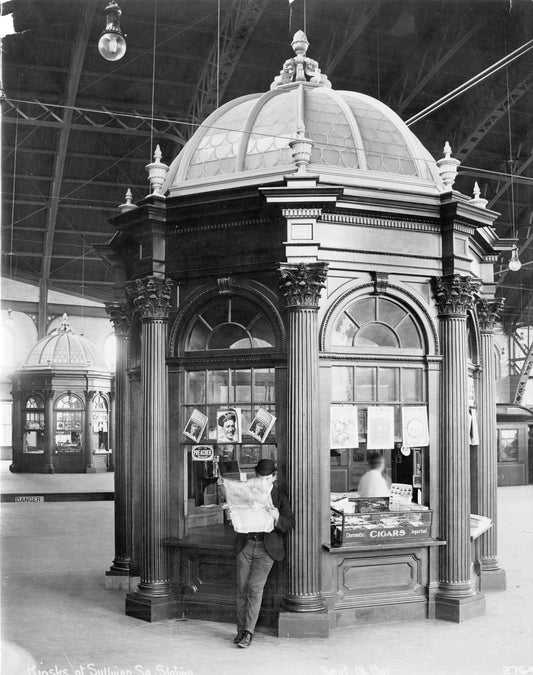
157 171
300 68
448 167
64 326
128 205
476 199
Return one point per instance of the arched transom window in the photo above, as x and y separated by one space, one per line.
230 323
376 322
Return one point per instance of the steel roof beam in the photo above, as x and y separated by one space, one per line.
86 20
238 24
440 60
498 111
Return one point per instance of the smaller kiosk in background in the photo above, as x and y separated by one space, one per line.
514 423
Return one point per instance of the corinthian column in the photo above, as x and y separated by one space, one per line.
491 575
301 285
456 599
118 574
153 599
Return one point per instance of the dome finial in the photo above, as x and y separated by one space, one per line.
64 326
300 68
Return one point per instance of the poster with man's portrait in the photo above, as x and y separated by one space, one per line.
229 425
261 425
195 426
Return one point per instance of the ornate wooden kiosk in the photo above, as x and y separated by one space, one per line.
303 254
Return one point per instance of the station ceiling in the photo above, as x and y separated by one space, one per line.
78 130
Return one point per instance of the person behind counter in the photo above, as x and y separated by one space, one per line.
373 483
256 553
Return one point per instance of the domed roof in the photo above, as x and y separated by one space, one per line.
357 140
64 349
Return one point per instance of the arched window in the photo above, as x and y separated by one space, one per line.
376 322
69 413
228 396
230 323
34 424
100 423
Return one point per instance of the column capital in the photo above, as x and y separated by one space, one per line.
302 283
120 316
48 394
455 294
488 312
151 297
89 395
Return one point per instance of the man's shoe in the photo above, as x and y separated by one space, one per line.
246 640
239 636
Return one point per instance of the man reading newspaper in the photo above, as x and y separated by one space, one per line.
261 516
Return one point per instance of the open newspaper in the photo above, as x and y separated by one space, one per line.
250 504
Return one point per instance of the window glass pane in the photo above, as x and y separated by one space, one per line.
389 385
218 386
389 312
196 387
363 311
412 385
342 383
263 333
35 402
365 384
264 379
241 386
198 337
376 335
69 402
229 336
408 334
344 331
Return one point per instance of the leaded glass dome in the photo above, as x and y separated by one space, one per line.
64 349
357 140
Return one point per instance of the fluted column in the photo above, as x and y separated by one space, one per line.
492 576
153 599
87 433
301 285
456 599
121 318
48 395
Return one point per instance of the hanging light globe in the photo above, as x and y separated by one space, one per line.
112 43
514 262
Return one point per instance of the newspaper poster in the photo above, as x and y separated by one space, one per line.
415 431
229 425
250 504
380 428
261 425
343 425
195 426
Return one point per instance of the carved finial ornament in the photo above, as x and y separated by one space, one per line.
300 68
477 200
488 311
151 297
157 171
447 167
128 205
120 315
455 294
302 283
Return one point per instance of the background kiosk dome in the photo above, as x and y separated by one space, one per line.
357 140
64 349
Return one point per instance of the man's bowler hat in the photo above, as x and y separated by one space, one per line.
265 467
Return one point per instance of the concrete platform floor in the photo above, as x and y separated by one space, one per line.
55 607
